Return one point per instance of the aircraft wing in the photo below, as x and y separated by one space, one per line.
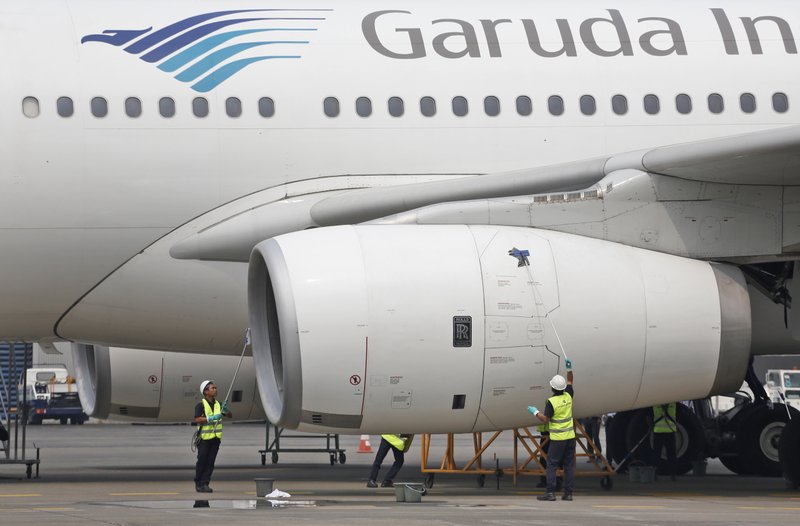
770 157
764 158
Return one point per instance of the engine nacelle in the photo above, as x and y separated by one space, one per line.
157 386
437 329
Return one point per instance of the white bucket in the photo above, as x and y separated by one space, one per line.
414 492
409 491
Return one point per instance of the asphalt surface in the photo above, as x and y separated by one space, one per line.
125 474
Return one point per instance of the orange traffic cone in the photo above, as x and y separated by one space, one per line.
363 445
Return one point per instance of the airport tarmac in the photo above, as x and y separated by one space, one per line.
142 474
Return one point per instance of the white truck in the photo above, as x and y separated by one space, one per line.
52 394
783 385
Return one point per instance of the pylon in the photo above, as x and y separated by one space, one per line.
363 445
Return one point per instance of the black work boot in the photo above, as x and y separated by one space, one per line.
372 484
567 496
387 484
546 496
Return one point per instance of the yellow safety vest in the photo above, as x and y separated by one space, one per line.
561 426
665 423
214 429
399 442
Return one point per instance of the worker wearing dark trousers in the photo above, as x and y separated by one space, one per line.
665 426
208 415
399 444
545 441
558 417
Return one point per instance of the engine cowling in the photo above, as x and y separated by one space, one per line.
377 328
157 386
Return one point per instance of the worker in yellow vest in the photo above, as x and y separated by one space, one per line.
665 426
208 415
399 444
558 417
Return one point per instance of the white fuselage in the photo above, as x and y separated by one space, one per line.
91 205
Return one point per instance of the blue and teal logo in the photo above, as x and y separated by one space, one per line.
202 51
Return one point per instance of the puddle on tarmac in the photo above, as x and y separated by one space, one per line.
250 504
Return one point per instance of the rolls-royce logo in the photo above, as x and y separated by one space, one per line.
201 51
462 331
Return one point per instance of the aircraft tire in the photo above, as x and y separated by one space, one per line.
689 444
789 452
732 460
759 436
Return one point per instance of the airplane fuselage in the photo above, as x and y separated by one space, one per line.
108 158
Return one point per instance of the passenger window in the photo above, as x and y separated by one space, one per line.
780 102
99 107
30 107
524 105
133 107
233 107
651 104
200 107
331 106
715 103
396 107
555 105
266 107
491 105
588 105
166 107
65 107
460 106
427 106
747 102
683 103
619 104
363 107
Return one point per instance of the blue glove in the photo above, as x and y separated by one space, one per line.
214 418
225 409
568 363
532 410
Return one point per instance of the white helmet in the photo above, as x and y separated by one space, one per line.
559 383
204 385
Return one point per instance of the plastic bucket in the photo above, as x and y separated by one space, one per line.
400 492
264 487
414 492
635 473
647 474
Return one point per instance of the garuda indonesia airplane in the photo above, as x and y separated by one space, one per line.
420 208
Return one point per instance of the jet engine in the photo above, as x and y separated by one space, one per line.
155 386
454 328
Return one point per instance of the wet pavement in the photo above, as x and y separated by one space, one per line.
142 474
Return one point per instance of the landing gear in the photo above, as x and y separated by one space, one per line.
759 437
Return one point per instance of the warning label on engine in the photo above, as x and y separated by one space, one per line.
401 399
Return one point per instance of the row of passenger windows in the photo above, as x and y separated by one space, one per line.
396 106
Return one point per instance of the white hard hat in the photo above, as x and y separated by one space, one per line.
559 383
204 385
